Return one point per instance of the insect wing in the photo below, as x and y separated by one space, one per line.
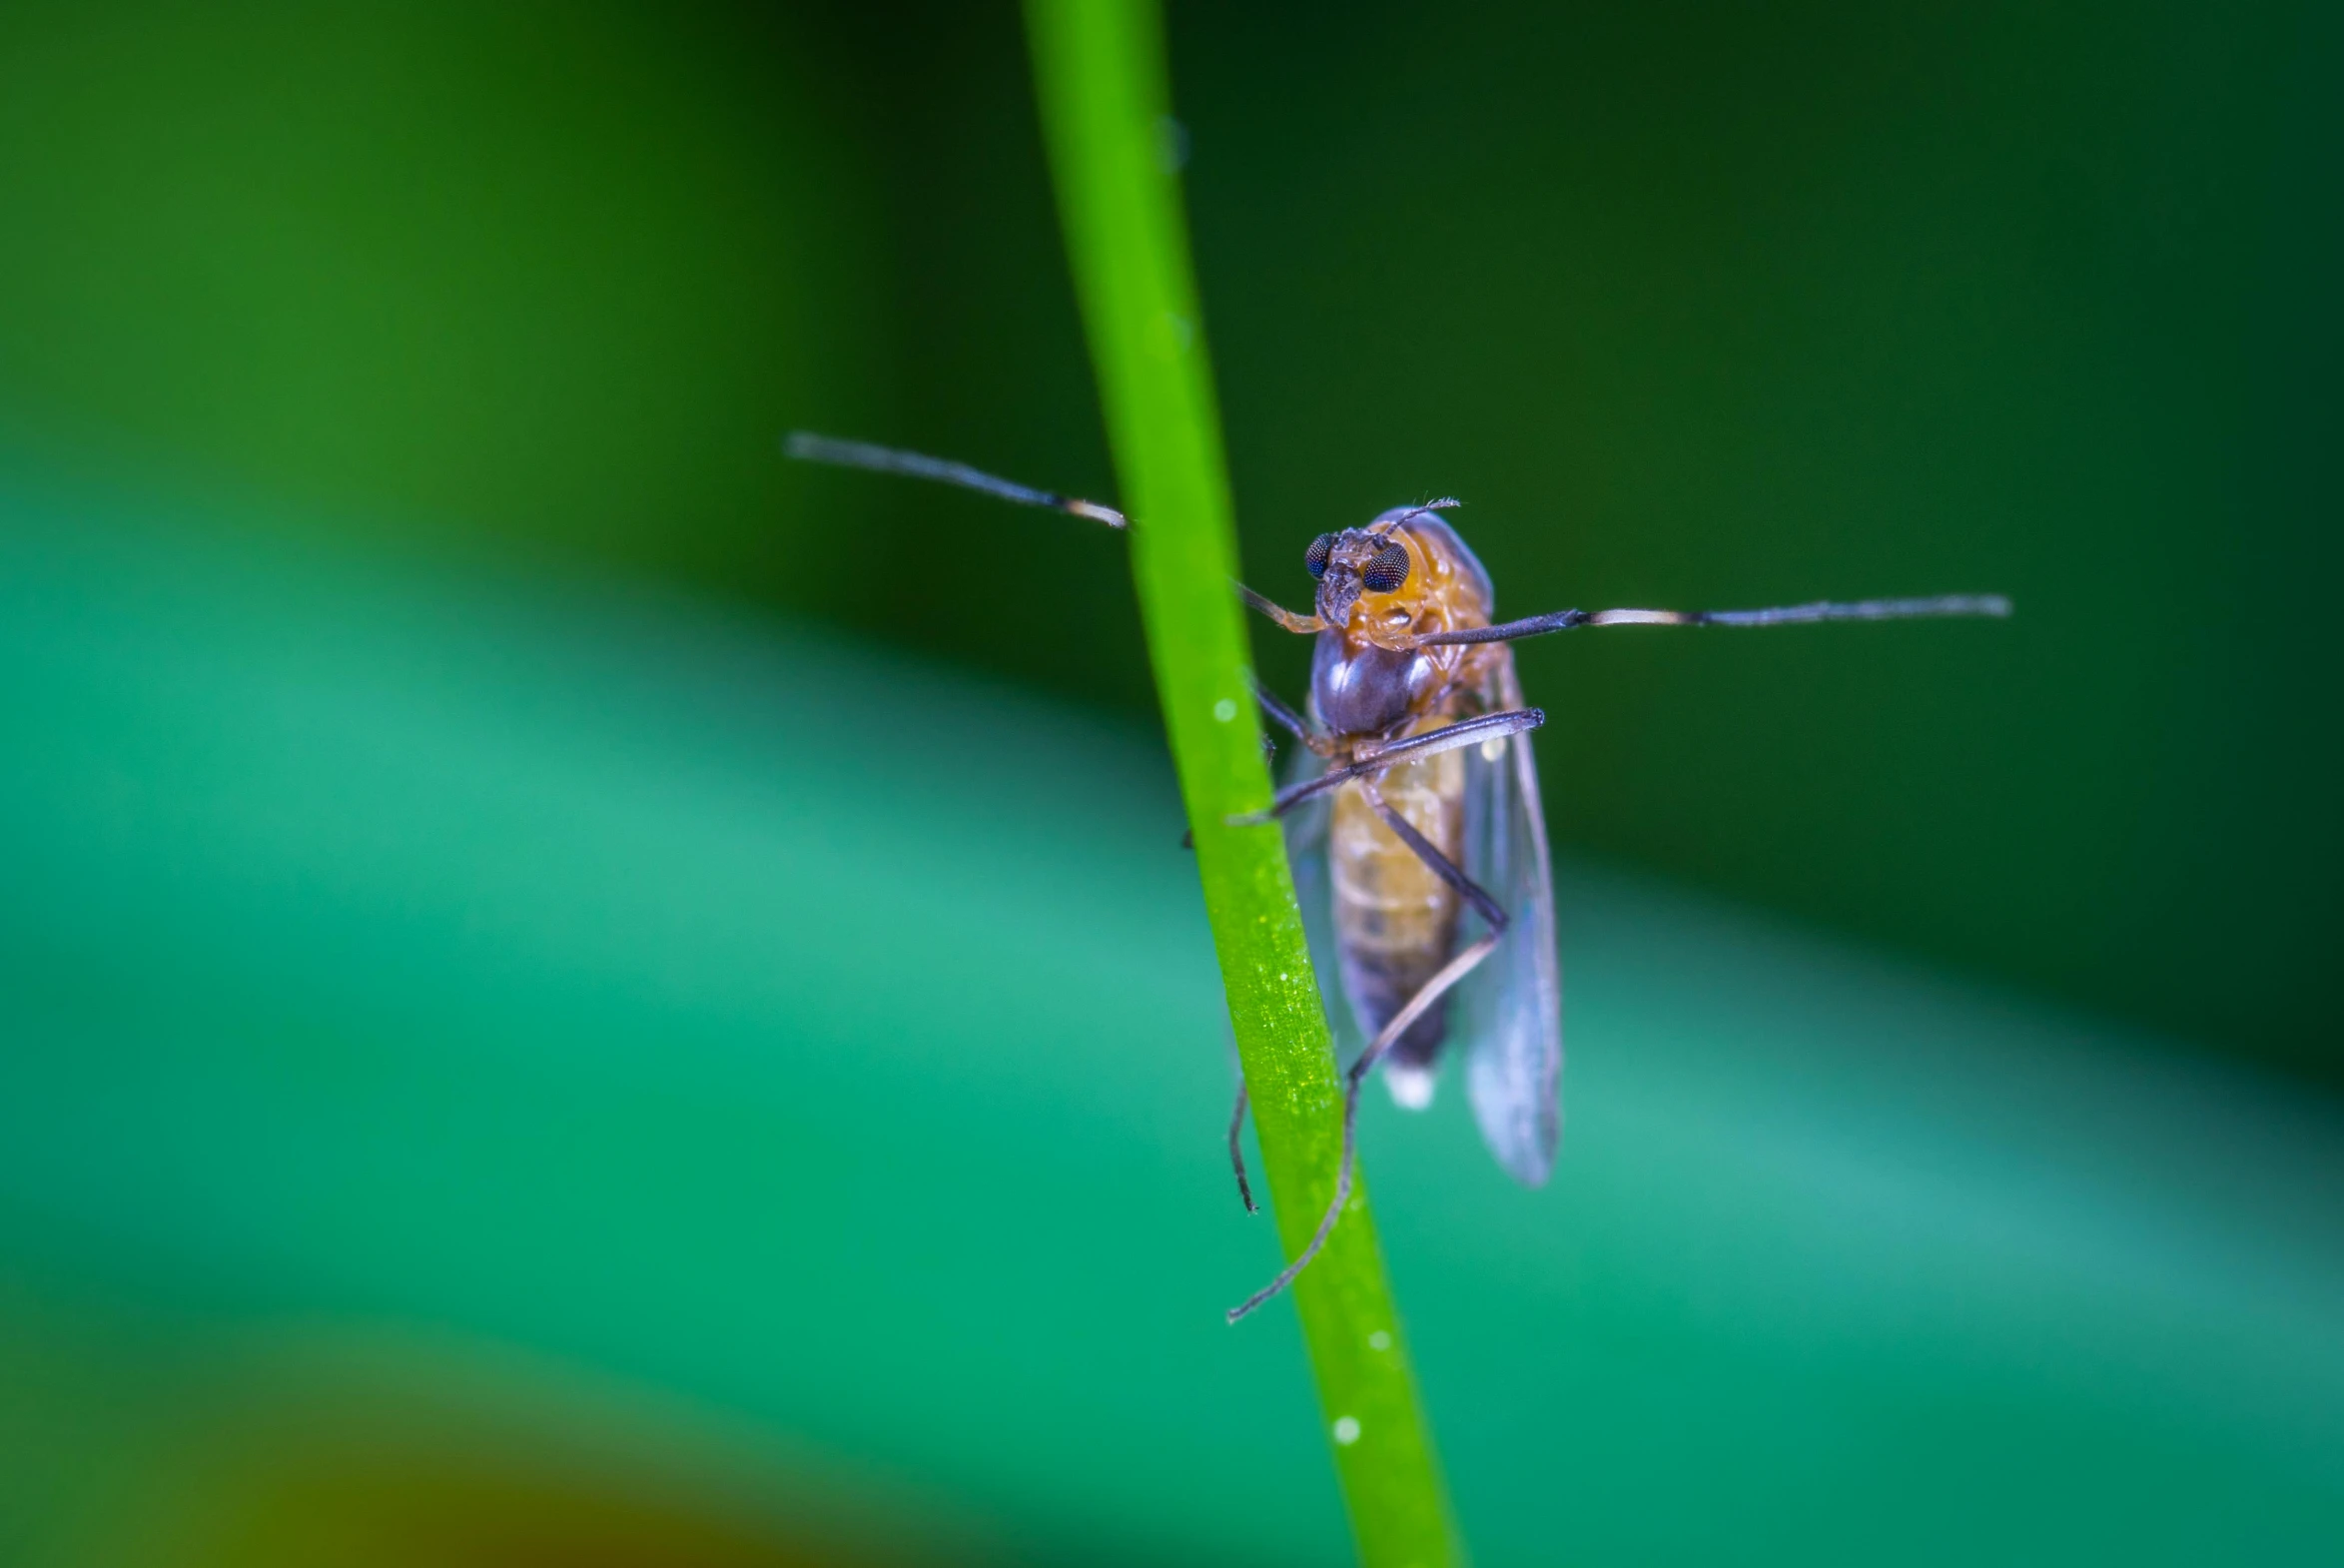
1511 1006
1308 827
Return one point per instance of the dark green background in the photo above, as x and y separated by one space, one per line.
532 1009
1693 306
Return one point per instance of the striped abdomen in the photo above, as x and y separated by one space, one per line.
1396 920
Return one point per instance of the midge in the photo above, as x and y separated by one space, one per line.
1418 842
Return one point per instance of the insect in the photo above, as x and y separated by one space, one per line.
1413 814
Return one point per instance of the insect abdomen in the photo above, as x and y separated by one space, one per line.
1395 919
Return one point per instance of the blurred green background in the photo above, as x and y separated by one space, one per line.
536 1014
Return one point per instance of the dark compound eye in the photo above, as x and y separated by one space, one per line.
1386 569
1316 556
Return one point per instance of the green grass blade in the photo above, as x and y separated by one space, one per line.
1100 76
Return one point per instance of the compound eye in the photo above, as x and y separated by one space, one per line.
1386 569
1316 556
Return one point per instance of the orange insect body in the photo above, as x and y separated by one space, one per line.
1395 918
1445 588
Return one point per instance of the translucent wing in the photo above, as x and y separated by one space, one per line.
1307 830
1511 1006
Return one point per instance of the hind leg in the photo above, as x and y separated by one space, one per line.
1397 1024
1237 1149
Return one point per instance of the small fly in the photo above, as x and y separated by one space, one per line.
1412 813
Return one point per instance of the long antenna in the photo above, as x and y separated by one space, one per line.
806 446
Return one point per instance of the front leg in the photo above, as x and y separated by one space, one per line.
1308 625
1390 754
1993 604
1292 722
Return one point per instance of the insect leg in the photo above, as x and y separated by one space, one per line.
809 447
1292 722
1490 726
1457 969
1993 604
1237 1149
1431 990
1441 866
1279 614
1275 706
